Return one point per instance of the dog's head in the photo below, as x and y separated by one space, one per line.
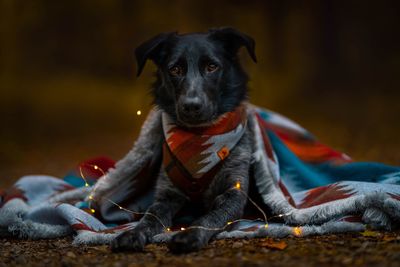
199 76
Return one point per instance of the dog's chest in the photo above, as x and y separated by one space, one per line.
192 157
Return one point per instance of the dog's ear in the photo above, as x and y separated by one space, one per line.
233 39
150 49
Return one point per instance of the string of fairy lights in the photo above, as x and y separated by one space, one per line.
297 231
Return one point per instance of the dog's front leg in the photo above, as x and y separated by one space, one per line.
228 192
227 207
145 148
168 202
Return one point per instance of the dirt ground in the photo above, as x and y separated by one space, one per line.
335 250
378 249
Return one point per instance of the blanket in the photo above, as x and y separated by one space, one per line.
302 186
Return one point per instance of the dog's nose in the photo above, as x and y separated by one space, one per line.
192 106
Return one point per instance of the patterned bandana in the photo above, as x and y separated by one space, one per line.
192 156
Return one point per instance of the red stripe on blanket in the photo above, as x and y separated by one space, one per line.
324 194
286 193
103 164
267 143
12 193
304 147
354 219
81 226
394 196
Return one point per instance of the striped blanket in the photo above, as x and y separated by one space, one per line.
310 175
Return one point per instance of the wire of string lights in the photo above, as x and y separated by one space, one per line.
297 231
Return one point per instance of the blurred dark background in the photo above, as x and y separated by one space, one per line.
68 89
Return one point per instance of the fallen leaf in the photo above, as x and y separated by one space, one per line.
368 233
101 248
71 254
237 245
389 238
281 245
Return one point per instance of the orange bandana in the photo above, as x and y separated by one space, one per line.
192 156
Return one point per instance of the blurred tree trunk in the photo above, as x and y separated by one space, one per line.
276 13
326 37
9 45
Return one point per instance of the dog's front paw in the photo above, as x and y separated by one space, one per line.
296 217
187 241
129 241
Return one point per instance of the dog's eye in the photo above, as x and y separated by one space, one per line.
175 71
211 67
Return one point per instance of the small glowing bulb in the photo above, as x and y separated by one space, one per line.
95 167
266 225
120 207
237 186
91 197
168 229
86 184
139 112
183 229
229 223
297 231
280 215
92 211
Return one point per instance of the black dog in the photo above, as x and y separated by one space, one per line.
199 78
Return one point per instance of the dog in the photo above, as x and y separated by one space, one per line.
201 91
199 79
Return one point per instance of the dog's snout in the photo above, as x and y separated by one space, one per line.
192 106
